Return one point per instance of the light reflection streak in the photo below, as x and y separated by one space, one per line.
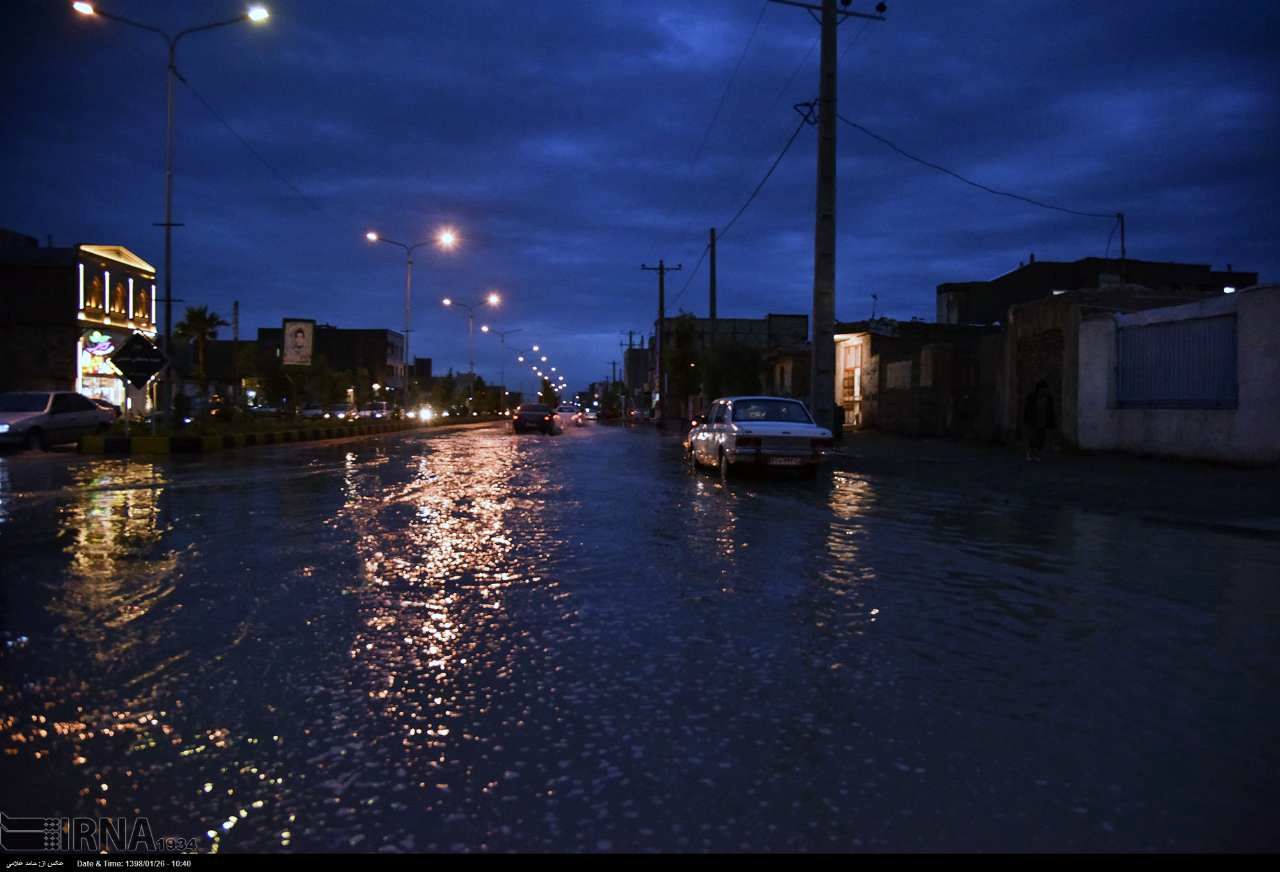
437 556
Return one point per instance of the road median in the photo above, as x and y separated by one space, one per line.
206 443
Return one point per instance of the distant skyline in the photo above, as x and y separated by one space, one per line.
569 142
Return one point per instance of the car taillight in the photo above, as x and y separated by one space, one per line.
748 442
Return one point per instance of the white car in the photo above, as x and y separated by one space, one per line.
570 412
38 419
758 431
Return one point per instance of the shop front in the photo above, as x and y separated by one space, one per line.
98 377
117 296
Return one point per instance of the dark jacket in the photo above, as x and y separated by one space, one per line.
1038 413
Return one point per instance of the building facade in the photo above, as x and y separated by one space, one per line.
380 353
988 302
1199 380
919 378
65 311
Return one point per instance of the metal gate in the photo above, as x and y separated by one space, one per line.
1187 364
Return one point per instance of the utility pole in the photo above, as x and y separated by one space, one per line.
661 269
235 351
1123 251
713 283
822 398
613 371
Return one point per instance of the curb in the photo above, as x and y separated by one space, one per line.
207 444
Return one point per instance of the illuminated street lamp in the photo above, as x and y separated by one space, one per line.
491 299
255 14
446 240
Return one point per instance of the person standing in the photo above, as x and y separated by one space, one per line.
1038 419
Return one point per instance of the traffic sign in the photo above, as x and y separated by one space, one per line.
139 360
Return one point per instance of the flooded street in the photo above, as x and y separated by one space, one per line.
475 641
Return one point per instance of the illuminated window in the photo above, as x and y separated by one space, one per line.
81 285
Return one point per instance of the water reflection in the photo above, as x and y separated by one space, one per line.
115 575
435 648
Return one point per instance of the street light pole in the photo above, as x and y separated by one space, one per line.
446 239
502 370
492 299
254 14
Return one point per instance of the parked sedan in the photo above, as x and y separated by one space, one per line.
537 417
760 432
38 419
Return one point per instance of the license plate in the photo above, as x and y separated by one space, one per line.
785 461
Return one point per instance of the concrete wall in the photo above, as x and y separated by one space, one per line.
1249 433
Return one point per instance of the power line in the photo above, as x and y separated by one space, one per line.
953 174
253 151
728 85
782 92
804 121
853 39
1107 255
689 281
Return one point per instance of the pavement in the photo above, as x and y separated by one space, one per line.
475 641
1237 499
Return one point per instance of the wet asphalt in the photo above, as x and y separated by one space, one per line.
475 641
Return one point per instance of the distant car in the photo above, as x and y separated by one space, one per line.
313 410
758 431
591 415
265 410
38 419
375 410
340 412
570 412
535 416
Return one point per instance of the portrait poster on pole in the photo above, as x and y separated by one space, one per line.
298 341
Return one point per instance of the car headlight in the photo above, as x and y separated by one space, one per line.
4 428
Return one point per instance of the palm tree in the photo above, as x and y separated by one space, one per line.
199 325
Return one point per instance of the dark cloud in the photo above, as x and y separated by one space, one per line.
559 137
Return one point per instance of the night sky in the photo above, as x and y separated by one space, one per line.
563 141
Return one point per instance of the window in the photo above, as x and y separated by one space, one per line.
63 403
785 411
1187 364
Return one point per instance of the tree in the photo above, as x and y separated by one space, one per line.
199 325
442 391
547 396
680 363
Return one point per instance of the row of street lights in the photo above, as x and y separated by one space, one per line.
446 239
254 14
